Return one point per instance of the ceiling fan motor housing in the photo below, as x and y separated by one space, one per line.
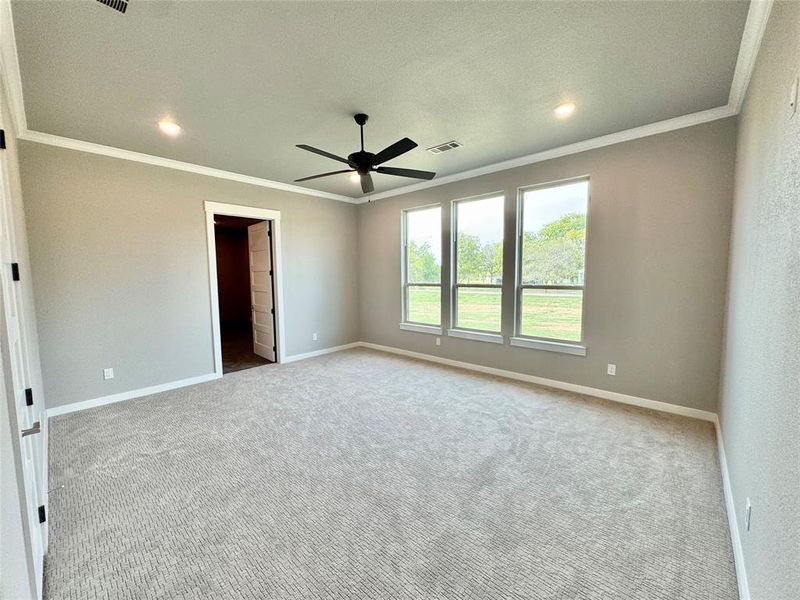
361 161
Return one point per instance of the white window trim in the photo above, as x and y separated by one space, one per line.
477 336
404 323
550 344
536 344
432 329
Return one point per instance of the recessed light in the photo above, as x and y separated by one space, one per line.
355 177
564 110
170 128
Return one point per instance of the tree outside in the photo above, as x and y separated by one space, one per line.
422 264
553 255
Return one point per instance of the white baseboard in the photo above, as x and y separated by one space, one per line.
733 523
552 383
172 385
296 357
685 411
153 389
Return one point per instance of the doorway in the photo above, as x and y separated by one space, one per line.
244 272
244 291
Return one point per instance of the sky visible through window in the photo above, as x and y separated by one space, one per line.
482 218
546 205
424 226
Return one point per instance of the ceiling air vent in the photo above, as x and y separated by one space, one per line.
451 145
120 5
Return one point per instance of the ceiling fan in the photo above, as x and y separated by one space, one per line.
363 162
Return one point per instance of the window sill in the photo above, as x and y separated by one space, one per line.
477 336
562 347
432 329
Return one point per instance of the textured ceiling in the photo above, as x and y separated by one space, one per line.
249 80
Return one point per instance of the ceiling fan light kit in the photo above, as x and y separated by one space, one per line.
365 163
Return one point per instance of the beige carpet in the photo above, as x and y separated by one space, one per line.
365 475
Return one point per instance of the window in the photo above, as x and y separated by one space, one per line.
551 259
422 266
478 252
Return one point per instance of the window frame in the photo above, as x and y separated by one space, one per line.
541 342
405 322
469 332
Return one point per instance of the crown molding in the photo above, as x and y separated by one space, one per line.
690 120
92 148
754 28
757 18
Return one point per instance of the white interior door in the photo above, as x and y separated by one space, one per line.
26 414
261 296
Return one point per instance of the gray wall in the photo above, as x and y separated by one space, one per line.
119 258
659 220
760 400
658 238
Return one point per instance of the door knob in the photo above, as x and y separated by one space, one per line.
35 428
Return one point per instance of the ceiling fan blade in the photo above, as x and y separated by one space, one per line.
323 153
406 172
366 184
324 175
394 151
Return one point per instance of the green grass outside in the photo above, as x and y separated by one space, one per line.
424 305
544 314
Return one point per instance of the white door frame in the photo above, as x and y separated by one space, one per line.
25 460
249 212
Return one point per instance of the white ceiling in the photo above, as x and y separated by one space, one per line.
249 80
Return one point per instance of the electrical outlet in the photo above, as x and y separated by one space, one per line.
108 373
612 369
438 341
314 337
748 511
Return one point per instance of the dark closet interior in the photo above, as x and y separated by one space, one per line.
233 289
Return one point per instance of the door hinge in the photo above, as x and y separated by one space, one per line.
42 514
270 272
2 139
274 348
15 271
272 310
28 397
